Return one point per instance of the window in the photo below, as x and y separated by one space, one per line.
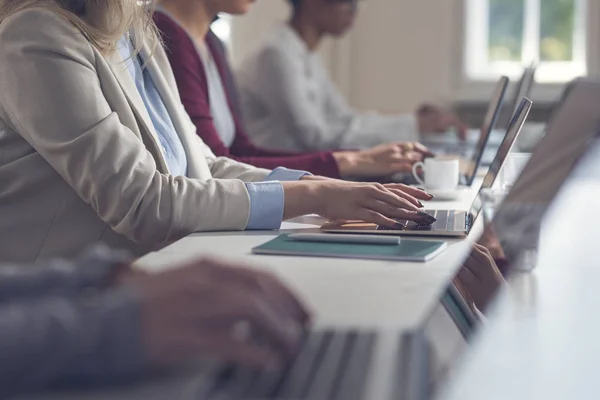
503 36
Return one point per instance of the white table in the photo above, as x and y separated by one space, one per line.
543 338
365 293
382 295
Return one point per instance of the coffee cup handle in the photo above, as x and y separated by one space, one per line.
415 174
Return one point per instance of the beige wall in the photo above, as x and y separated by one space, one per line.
401 54
247 31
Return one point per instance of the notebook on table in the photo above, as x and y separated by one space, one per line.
406 250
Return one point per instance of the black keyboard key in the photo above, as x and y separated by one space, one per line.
352 383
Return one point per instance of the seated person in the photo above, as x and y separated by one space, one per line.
96 146
95 321
208 93
289 102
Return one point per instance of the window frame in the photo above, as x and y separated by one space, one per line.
471 87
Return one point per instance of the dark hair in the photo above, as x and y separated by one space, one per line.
294 3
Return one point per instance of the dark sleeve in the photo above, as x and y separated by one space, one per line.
95 268
65 342
191 81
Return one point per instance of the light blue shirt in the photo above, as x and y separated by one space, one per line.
267 198
170 142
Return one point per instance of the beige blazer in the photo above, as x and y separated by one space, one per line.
80 161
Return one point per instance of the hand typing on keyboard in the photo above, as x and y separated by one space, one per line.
213 309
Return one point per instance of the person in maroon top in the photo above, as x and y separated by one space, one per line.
208 93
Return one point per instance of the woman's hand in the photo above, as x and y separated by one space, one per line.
479 276
369 202
382 160
432 119
210 308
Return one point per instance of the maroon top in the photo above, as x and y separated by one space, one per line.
193 88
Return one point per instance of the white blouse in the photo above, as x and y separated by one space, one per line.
290 103
217 96
219 106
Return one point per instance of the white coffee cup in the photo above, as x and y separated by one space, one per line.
439 173
513 166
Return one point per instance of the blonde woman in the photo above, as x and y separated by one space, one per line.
95 145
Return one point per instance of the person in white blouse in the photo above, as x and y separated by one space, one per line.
290 103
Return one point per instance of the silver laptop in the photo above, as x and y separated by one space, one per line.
452 223
473 154
523 88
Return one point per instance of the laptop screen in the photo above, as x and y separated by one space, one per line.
513 231
515 126
493 112
523 88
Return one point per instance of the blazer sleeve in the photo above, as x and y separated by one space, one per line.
94 269
192 84
51 95
61 341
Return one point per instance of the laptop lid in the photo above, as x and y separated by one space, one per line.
491 117
514 128
515 227
523 88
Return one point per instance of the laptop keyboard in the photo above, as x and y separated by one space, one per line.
331 365
445 220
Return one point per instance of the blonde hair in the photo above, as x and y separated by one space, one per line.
102 22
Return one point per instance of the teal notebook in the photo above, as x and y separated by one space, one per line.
407 250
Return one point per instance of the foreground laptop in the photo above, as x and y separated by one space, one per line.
451 223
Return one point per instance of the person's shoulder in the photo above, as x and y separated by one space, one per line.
37 21
174 37
166 25
42 28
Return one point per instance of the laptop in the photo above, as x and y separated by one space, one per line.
438 343
452 223
474 155
523 88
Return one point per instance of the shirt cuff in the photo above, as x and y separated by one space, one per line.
283 174
267 200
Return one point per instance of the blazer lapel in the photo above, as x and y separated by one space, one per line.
160 71
119 69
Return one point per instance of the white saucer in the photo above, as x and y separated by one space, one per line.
446 195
